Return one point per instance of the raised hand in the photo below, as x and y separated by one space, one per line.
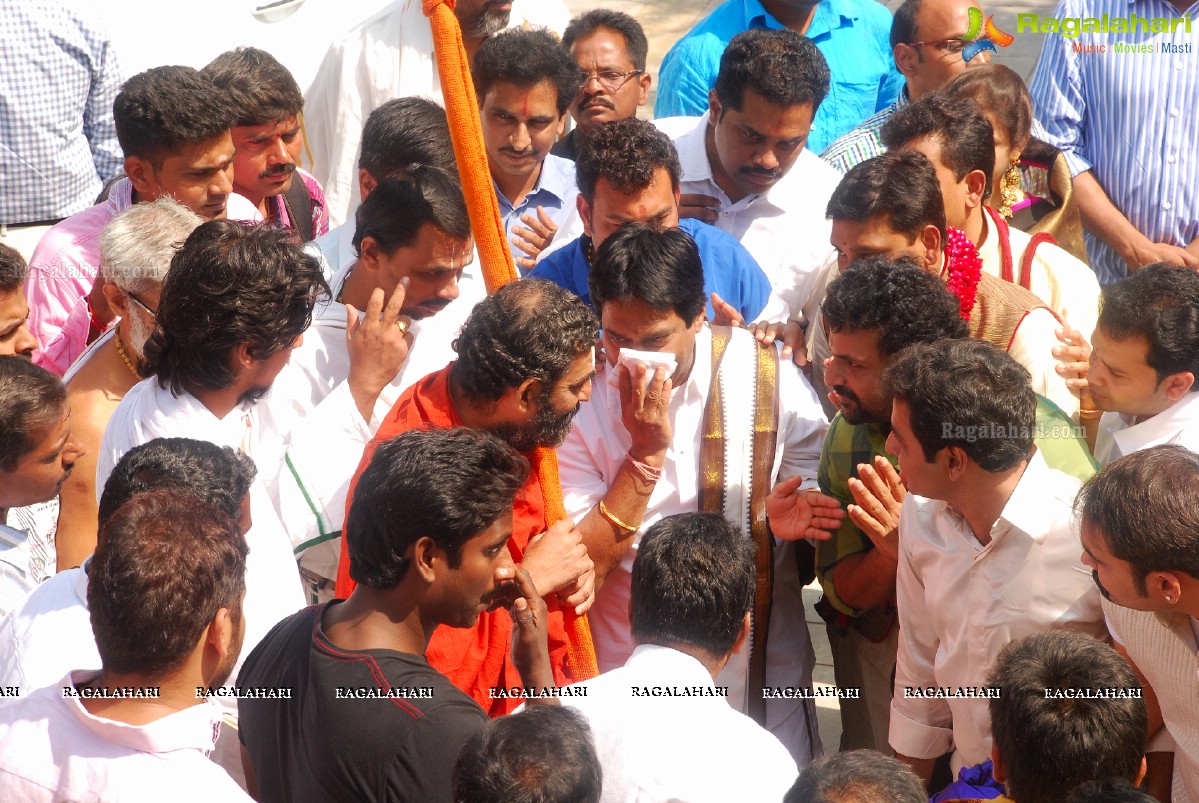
378 345
790 334
1073 357
534 239
645 412
879 494
556 559
795 514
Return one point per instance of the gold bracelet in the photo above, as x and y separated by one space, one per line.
607 514
1089 415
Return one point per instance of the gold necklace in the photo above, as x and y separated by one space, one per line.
116 338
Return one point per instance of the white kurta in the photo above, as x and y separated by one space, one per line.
311 407
592 455
961 602
388 56
656 749
784 228
1058 278
147 412
48 634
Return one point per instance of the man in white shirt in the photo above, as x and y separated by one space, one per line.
984 521
957 138
50 633
414 241
663 729
235 303
745 168
1140 536
165 593
388 56
634 455
1144 360
37 453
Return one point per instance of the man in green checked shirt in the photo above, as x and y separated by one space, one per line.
876 308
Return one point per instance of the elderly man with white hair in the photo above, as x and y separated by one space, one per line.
136 248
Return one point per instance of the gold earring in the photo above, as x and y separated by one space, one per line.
1010 191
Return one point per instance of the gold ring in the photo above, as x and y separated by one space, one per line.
403 326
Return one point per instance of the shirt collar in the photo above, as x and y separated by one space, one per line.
693 152
557 177
194 728
1163 428
681 669
1024 507
120 196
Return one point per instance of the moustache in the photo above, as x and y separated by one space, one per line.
1099 585
597 100
758 171
845 393
278 170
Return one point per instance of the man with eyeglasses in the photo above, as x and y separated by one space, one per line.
610 48
926 40
136 248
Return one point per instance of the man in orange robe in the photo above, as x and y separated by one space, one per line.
524 367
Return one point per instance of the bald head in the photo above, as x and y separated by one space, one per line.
929 66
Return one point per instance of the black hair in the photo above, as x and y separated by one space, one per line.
625 153
1109 791
905 303
164 109
260 88
525 58
230 284
903 24
1145 507
957 389
31 400
957 124
1000 90
779 65
1048 743
544 754
447 484
399 207
693 582
13 269
216 475
660 268
901 186
531 329
1161 304
857 776
165 563
404 132
598 19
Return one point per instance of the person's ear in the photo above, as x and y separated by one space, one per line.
998 771
698 323
561 126
366 183
369 252
584 214
906 58
713 108
422 556
1177 386
643 94
118 302
742 634
527 396
141 175
954 461
930 240
222 634
976 188
243 355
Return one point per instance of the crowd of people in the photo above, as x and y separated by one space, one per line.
292 508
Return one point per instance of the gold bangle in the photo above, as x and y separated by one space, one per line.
1089 415
607 514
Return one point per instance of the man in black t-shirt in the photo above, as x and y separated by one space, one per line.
338 701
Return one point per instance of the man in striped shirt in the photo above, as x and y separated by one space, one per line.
1126 123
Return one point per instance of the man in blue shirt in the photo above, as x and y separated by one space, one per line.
628 172
525 81
853 36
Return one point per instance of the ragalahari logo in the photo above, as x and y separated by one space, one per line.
983 36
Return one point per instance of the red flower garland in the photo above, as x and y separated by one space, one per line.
964 267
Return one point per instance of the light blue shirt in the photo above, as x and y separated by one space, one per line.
555 192
58 141
853 35
1129 118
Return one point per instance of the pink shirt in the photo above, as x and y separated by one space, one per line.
52 748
